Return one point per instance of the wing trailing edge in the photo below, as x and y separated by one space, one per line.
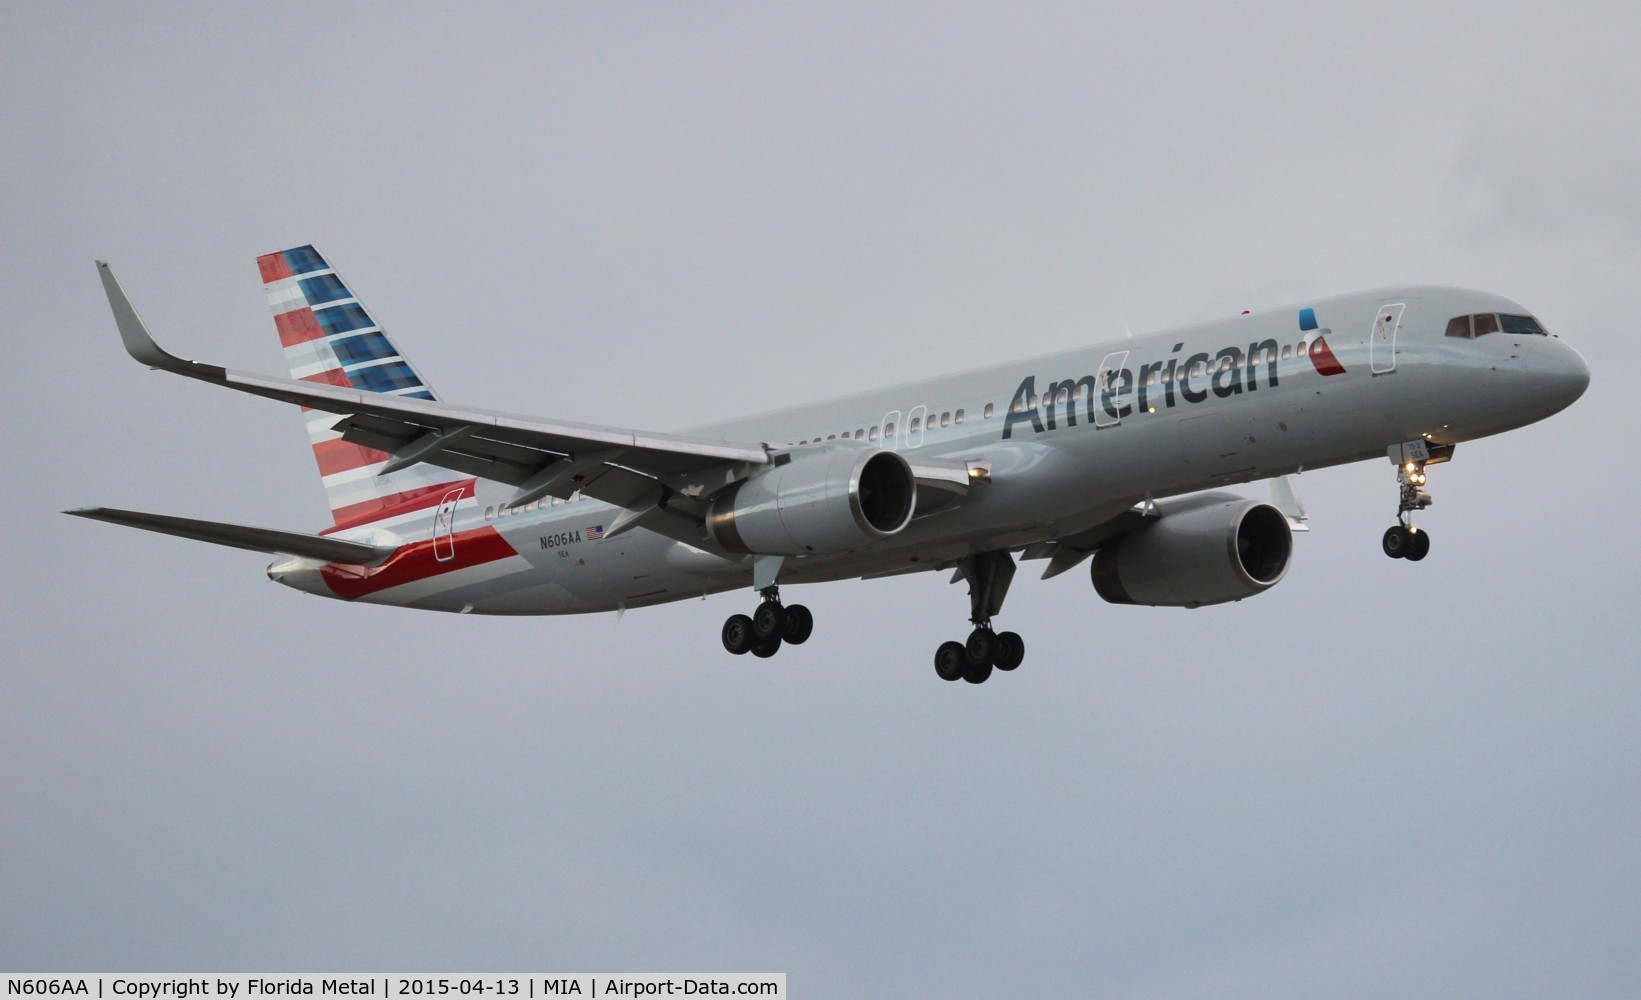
519 450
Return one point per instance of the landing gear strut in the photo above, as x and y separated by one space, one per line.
1403 540
772 624
989 575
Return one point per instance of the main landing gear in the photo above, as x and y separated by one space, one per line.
989 574
770 625
1404 541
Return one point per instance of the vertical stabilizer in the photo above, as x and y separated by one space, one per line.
329 338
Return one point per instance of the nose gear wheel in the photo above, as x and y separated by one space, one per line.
1402 540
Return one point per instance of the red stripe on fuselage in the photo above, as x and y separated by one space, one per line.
394 504
417 561
298 326
274 267
337 455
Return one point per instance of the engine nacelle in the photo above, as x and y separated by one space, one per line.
1204 555
830 502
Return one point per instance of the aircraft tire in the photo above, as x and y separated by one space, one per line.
769 621
800 624
950 661
737 634
977 673
1009 652
763 649
1396 542
981 645
1419 547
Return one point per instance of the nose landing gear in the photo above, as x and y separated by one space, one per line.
768 627
989 575
1404 541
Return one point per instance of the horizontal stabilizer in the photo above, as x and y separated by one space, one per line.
290 543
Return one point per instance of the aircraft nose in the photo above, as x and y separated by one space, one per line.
1556 375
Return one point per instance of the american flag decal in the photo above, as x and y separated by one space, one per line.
595 532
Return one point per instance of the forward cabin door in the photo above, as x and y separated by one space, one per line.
1382 342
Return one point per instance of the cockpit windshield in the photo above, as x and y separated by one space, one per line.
1481 324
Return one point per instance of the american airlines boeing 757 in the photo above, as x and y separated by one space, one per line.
1113 454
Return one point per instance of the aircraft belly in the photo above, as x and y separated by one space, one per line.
573 569
451 591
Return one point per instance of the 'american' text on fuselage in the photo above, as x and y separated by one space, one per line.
1114 386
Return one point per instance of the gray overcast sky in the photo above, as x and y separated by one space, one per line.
1378 779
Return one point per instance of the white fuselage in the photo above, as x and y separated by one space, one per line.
1059 453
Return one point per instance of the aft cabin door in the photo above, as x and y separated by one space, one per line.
1382 342
444 527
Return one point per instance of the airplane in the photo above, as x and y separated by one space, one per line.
1115 454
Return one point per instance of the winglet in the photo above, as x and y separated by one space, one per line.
138 343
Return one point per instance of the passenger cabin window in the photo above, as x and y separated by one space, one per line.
871 435
988 411
917 423
958 416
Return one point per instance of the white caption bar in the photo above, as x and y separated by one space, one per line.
391 986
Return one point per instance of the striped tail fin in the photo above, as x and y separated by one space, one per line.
329 338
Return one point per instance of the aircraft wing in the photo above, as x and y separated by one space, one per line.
633 469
